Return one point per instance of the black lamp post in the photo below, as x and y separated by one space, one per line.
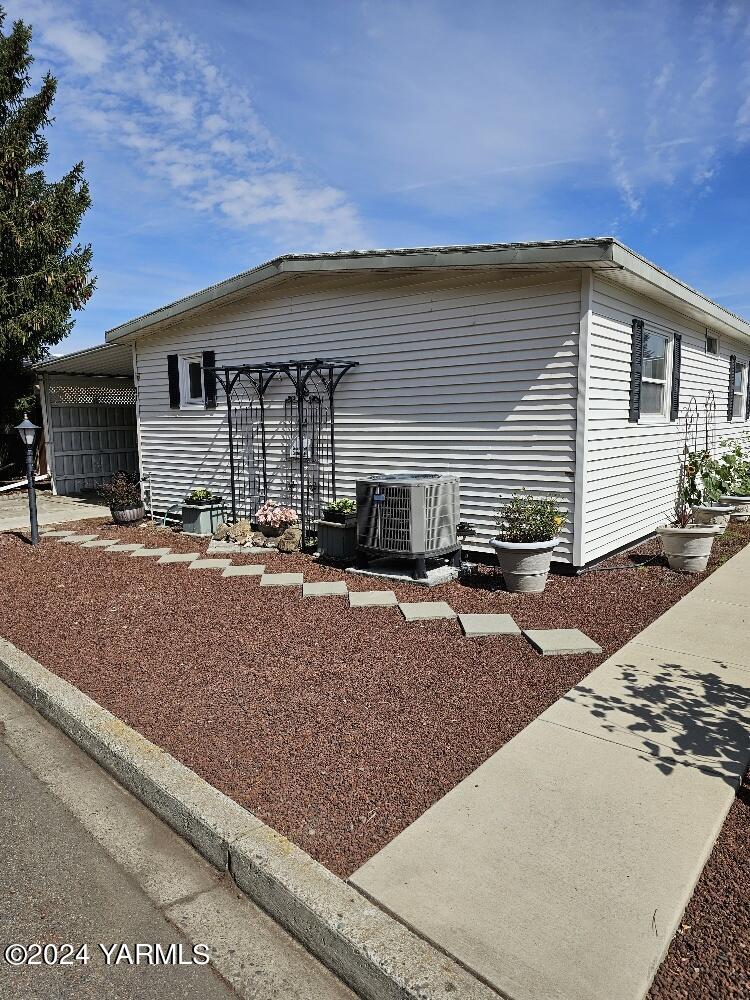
28 432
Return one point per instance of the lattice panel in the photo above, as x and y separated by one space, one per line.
91 395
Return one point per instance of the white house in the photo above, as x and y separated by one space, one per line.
560 367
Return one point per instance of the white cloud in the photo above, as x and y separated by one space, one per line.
154 90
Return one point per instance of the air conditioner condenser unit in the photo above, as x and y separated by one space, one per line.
408 516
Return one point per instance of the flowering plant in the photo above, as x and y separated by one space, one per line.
274 515
530 519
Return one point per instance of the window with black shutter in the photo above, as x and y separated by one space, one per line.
674 403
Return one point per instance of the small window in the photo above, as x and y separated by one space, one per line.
191 381
740 390
655 374
712 344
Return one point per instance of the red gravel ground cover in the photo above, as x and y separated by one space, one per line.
339 727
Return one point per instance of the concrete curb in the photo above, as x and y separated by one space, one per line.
368 949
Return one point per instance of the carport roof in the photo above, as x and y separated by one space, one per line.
114 360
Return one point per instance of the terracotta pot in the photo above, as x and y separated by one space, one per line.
688 549
525 565
130 516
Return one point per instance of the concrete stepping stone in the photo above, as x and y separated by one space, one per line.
77 539
145 553
480 625
282 580
100 543
251 569
228 548
560 641
210 564
179 557
325 589
125 547
56 534
417 611
372 599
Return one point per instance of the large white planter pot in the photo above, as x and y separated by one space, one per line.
525 565
741 505
688 549
713 514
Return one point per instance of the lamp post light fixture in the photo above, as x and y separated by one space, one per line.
28 433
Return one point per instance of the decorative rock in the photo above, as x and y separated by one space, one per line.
372 599
222 532
414 611
560 641
179 557
325 589
241 531
252 569
282 580
479 625
291 540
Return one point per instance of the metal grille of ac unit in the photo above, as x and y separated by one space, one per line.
416 515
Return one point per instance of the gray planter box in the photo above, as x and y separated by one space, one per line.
201 519
337 541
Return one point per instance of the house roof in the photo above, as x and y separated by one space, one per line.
599 253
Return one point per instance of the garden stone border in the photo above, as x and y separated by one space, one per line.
369 950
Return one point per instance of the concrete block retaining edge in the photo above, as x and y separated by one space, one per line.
371 951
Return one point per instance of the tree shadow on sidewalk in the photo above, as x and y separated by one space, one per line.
676 716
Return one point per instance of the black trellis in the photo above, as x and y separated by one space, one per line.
304 474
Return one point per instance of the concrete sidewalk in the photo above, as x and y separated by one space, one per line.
51 509
560 868
82 861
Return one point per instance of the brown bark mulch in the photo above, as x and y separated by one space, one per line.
338 727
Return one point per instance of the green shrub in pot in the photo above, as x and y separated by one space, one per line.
528 535
343 511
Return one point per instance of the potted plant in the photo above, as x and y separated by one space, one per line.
342 511
337 531
687 545
528 535
273 519
702 490
732 472
202 511
122 494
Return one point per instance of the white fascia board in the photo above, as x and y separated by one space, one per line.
659 284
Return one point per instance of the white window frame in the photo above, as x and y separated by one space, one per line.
186 401
715 338
739 413
663 416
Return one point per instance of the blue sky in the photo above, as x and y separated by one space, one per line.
218 135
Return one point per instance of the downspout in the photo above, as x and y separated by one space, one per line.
582 428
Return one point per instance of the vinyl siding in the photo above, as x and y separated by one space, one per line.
472 374
631 469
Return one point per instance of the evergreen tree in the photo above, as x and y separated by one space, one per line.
44 276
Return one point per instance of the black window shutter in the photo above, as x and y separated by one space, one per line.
209 380
173 374
747 394
674 405
636 371
730 398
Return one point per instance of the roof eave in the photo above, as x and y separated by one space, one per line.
592 253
